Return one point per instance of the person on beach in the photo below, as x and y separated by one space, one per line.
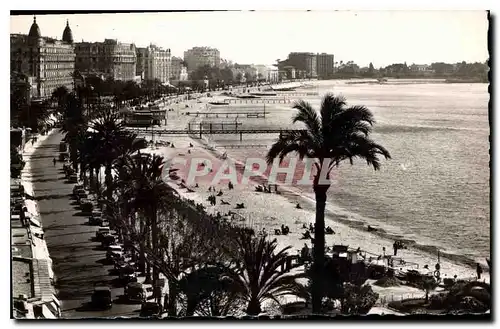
479 271
395 247
54 161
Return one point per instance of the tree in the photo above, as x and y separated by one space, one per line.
371 69
260 272
339 133
209 293
59 95
239 77
113 140
74 123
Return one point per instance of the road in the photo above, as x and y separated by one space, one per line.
77 262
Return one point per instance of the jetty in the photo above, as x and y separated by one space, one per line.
296 93
257 100
248 114
200 131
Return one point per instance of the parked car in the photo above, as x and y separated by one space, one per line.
77 188
63 147
136 292
86 207
81 194
101 297
127 274
63 156
108 240
115 252
150 309
96 221
101 232
73 178
82 198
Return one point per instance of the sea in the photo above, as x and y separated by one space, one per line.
435 191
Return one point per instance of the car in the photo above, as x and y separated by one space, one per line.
150 309
63 156
77 188
127 274
101 232
115 252
108 240
63 147
81 195
95 212
86 207
101 298
73 178
82 199
96 221
136 292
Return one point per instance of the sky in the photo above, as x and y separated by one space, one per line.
262 37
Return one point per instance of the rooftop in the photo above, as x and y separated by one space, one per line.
21 278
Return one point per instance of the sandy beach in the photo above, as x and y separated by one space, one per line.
268 211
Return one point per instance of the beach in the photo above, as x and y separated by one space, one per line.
269 211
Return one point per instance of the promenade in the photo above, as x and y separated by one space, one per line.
77 263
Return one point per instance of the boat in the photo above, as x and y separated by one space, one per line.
246 96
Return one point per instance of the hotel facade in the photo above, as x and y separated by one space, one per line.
46 62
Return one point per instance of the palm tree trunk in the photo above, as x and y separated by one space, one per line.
109 188
170 299
253 307
148 265
154 238
91 178
142 264
319 247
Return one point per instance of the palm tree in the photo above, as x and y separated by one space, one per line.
209 293
74 123
147 193
259 273
338 133
59 95
112 140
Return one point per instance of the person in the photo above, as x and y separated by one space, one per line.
54 161
479 271
395 247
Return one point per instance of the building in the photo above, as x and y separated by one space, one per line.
272 74
200 56
153 63
423 68
48 63
178 71
111 59
324 65
33 293
305 64
249 71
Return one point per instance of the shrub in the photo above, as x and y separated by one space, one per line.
387 281
407 305
358 299
438 301
470 304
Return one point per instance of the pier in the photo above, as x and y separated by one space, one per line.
213 131
296 93
257 100
248 114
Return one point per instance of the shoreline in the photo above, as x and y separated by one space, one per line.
350 231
